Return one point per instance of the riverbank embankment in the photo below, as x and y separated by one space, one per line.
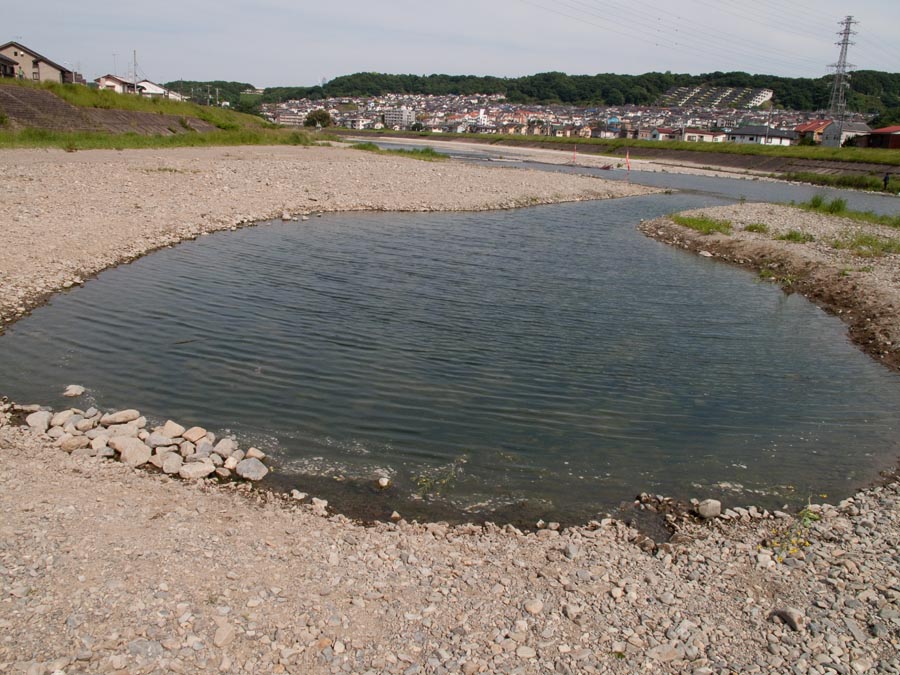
105 568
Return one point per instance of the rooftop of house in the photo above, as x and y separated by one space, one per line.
35 55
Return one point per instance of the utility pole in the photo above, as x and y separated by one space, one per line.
837 107
134 73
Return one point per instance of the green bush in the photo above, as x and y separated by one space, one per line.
757 227
796 236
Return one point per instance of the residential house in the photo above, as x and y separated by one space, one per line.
7 66
887 138
812 130
703 136
150 89
761 135
835 135
665 134
115 83
32 66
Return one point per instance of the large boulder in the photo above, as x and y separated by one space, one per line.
194 470
39 421
120 417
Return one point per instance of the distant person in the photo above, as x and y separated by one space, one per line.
886 180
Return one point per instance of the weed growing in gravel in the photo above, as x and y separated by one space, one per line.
790 541
796 236
427 154
868 245
760 228
703 224
839 207
836 205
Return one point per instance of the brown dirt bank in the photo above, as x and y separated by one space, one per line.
863 291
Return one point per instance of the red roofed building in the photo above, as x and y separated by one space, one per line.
812 130
887 138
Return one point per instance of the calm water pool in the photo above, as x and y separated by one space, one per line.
547 362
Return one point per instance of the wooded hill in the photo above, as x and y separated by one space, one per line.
870 91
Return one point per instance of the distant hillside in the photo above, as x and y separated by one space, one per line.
871 91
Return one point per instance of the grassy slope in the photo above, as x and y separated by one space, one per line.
233 128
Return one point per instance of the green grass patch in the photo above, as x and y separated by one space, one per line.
870 182
796 236
868 245
426 154
95 140
703 224
838 207
759 228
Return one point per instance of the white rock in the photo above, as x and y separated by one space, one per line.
39 421
132 451
159 440
255 453
120 417
709 508
172 463
73 390
231 463
384 483
172 429
251 469
225 447
74 443
534 606
60 418
194 470
299 496
194 434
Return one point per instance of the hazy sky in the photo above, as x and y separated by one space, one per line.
282 42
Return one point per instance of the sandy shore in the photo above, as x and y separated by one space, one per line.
104 568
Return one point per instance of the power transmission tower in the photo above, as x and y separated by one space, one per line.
837 107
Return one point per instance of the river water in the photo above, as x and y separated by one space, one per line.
545 362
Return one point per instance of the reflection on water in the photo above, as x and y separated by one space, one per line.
549 359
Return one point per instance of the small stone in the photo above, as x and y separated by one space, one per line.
194 434
394 515
223 473
39 421
231 463
195 470
132 451
172 429
120 417
791 616
709 508
225 447
60 418
159 440
172 463
74 443
384 483
299 496
251 469
571 551
706 254
224 635
526 652
534 606
255 453
73 391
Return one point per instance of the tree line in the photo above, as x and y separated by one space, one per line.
874 92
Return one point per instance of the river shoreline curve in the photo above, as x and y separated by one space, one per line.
108 569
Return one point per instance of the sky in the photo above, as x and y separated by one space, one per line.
299 43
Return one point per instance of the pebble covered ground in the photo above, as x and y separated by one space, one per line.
107 567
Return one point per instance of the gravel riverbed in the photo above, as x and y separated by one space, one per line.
110 568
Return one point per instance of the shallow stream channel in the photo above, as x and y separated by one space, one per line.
548 362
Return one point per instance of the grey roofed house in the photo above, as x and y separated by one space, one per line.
34 66
762 135
835 135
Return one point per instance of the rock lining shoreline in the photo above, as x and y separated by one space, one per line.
107 568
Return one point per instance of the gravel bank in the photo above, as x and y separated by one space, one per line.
67 216
105 568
